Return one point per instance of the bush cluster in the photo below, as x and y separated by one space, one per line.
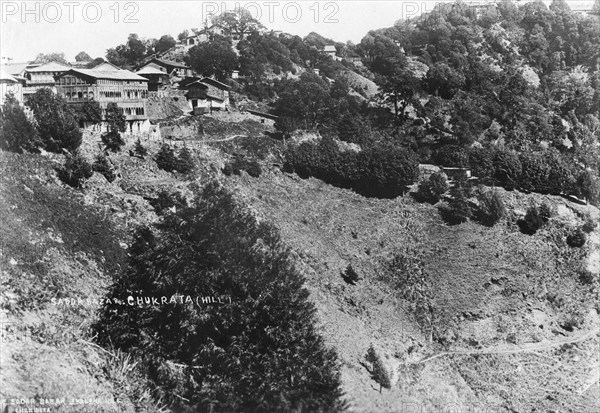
535 218
103 166
258 350
545 172
490 208
167 160
75 170
113 141
166 200
433 188
377 171
239 164
457 210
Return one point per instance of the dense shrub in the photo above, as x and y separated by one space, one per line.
103 166
239 164
113 141
457 210
588 187
380 171
139 149
481 162
560 177
166 200
576 238
379 373
432 188
535 172
75 170
385 171
166 159
257 350
534 219
491 208
507 168
17 133
253 168
350 275
452 156
185 161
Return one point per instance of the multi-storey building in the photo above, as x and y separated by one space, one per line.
42 76
128 90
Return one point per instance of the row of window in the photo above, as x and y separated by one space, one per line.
79 95
129 111
110 94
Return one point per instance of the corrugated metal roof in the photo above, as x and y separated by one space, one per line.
50 67
214 82
15 68
149 70
109 74
5 76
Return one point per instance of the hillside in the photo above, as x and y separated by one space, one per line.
505 308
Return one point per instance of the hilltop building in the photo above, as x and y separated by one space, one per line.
127 89
157 79
170 67
206 94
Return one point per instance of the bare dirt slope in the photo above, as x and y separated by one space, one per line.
511 325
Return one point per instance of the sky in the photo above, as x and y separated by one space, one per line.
71 26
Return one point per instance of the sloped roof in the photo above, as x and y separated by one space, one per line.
5 76
50 67
214 82
106 66
329 48
108 74
149 70
15 68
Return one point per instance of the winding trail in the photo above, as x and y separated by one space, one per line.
512 349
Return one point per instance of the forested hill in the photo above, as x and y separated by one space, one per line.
515 87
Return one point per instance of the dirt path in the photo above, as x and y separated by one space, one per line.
513 349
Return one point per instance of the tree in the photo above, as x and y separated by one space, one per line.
113 141
56 124
51 57
303 103
17 133
432 188
164 43
213 58
166 159
95 63
379 372
238 22
75 171
139 149
128 54
88 111
183 35
258 350
103 166
185 161
115 119
83 57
